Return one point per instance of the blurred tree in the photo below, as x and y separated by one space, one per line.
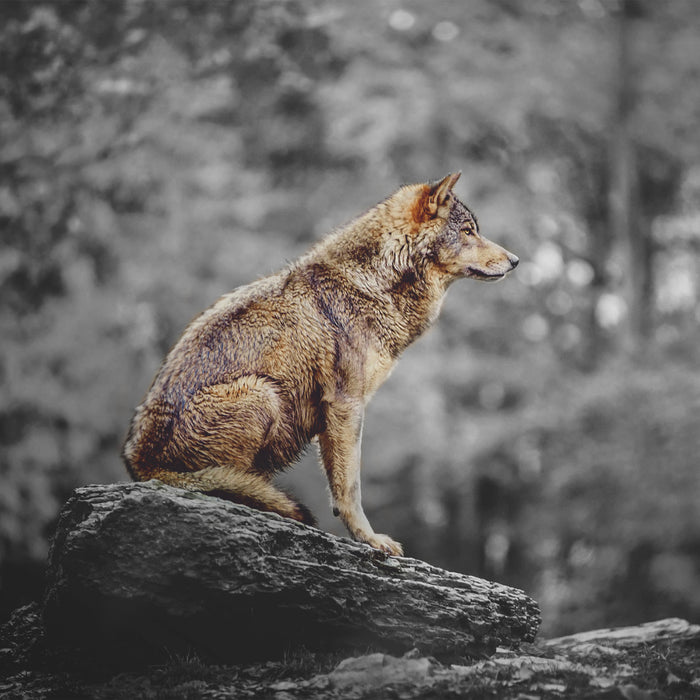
644 178
627 223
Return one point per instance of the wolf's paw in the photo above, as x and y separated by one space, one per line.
385 544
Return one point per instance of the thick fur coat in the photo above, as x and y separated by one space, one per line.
297 355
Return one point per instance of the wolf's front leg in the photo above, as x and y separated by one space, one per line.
340 452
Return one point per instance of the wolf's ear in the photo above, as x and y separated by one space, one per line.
440 192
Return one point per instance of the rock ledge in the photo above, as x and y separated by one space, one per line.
139 571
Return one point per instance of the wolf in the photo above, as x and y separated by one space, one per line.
296 356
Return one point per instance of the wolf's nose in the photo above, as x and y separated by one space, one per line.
513 259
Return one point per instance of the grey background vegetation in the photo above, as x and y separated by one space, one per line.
154 155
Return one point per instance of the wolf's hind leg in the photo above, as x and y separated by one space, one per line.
219 435
229 424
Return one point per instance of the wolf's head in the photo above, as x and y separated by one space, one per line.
441 236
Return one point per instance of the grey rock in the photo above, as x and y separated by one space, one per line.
138 572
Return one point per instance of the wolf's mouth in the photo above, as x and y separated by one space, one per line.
485 276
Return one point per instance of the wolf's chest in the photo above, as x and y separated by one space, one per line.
377 368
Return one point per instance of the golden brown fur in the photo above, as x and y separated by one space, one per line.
297 355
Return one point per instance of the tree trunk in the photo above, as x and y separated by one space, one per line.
138 569
629 226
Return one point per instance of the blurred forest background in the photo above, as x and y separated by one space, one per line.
155 154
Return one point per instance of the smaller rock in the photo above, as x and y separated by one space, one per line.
379 670
283 686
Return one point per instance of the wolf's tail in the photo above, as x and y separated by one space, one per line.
240 487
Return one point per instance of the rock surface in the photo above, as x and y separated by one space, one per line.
143 568
141 571
607 663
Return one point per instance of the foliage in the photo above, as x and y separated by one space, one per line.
154 155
